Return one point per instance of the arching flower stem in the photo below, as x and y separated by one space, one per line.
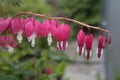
62 18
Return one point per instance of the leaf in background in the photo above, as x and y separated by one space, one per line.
7 77
14 2
26 74
60 68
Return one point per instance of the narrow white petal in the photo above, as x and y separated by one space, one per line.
10 49
58 46
30 39
49 39
61 44
86 53
78 49
33 42
66 43
102 51
96 51
83 49
33 35
90 53
19 37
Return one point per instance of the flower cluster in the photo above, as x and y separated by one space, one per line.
31 29
87 40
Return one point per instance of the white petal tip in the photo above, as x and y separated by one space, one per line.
49 39
10 49
83 49
19 37
61 44
78 49
66 43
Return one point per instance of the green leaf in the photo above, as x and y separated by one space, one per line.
26 74
60 68
7 77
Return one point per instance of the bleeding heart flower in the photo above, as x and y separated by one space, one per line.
48 27
4 23
28 29
61 35
31 30
88 45
100 45
16 28
38 29
7 42
80 40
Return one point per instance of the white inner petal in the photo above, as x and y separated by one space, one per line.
102 51
49 39
90 53
32 39
61 44
86 53
78 49
97 51
33 42
10 49
58 46
83 49
19 37
66 43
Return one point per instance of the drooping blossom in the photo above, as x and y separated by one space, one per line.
61 34
30 30
4 23
88 45
16 28
7 42
48 27
100 45
80 40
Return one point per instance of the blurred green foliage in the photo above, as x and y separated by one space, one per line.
37 6
23 65
87 11
27 63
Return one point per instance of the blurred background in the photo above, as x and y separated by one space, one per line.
47 63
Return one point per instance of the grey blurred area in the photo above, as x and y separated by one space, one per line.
107 67
112 54
82 69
